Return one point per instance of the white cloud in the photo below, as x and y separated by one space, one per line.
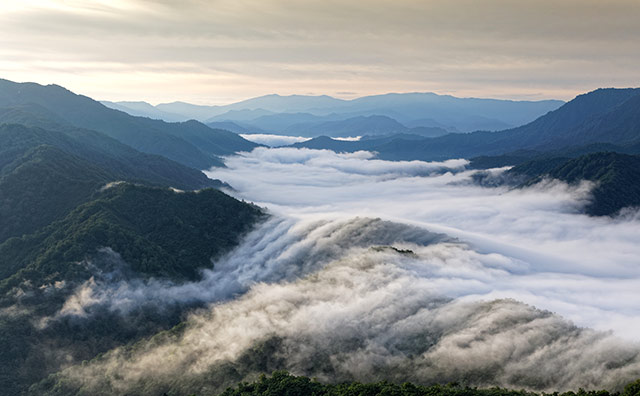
373 313
273 140
540 227
326 289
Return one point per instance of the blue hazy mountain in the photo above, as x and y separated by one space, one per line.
409 109
190 143
144 109
356 126
235 127
243 115
282 123
465 114
268 103
604 116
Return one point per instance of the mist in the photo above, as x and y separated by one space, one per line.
273 140
584 268
405 271
373 313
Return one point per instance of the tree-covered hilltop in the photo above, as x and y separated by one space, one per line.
158 232
119 159
68 194
281 383
616 177
42 186
44 174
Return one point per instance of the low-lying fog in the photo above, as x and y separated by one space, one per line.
586 269
405 271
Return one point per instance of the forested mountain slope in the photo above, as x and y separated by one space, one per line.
190 143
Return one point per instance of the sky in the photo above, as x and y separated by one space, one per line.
222 51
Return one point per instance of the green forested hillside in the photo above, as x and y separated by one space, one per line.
44 185
158 233
73 200
616 177
118 159
45 174
283 384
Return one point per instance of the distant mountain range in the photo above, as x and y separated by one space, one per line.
602 120
309 115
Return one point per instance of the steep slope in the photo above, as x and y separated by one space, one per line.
127 232
144 109
609 116
43 185
616 177
176 141
218 141
44 174
157 231
620 125
121 160
569 121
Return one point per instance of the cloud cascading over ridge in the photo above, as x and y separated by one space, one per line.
565 256
342 285
373 313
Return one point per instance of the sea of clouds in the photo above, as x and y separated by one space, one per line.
585 268
372 269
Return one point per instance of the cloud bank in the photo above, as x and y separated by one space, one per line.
406 271
581 267
273 140
373 313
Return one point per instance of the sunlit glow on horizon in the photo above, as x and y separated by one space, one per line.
206 53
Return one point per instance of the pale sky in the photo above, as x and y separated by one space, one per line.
220 51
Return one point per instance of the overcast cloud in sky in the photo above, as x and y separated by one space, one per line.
219 51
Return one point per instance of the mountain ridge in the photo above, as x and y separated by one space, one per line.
495 114
574 124
176 141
